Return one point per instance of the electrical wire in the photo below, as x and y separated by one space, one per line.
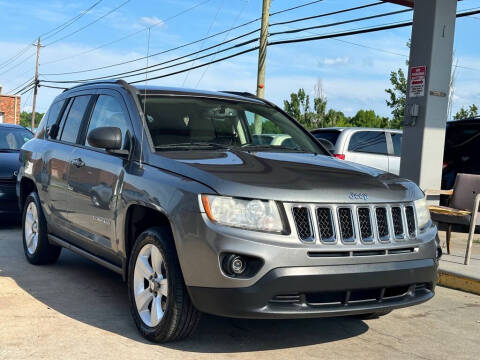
278 42
327 14
224 39
19 86
17 65
69 22
128 73
168 50
15 57
128 35
89 24
208 32
25 87
341 22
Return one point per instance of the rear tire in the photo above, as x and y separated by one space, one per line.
159 301
38 250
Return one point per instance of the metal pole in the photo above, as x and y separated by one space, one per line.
262 55
35 90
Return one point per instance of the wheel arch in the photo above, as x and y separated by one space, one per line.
138 218
26 186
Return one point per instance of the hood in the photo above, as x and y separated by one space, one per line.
9 163
284 176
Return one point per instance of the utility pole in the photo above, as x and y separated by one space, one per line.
262 56
35 90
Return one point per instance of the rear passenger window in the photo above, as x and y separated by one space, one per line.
74 119
108 112
373 142
397 144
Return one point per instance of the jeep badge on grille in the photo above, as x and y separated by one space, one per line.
358 196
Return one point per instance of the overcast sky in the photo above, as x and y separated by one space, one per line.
354 70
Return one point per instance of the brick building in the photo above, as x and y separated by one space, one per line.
9 108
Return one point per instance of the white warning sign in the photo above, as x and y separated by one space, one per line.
417 81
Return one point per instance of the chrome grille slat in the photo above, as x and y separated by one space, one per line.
366 224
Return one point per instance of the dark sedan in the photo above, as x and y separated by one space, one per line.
12 137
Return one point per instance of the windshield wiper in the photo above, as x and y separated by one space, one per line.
271 147
187 146
9 150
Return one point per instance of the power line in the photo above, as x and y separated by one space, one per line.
17 65
68 22
172 49
128 35
19 86
89 24
327 14
224 39
278 42
208 33
341 22
326 36
132 72
15 57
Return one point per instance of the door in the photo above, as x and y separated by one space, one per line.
368 148
395 153
95 178
58 160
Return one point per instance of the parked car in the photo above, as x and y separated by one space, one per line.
462 142
12 137
378 148
203 219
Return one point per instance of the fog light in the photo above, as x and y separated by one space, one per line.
235 264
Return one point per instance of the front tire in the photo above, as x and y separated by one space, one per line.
38 250
159 301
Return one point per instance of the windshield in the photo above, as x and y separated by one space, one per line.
12 139
330 135
183 122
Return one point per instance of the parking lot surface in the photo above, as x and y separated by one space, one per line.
79 310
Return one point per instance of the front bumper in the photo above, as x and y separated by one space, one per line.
8 198
321 291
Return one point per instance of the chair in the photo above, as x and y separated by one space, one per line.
462 213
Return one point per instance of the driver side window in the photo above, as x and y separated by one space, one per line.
108 112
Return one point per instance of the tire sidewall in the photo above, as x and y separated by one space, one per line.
42 229
154 237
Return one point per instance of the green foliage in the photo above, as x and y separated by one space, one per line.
26 119
397 96
463 113
299 108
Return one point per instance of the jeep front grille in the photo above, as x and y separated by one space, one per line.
346 224
303 223
349 224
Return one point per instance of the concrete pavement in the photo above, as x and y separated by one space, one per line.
78 310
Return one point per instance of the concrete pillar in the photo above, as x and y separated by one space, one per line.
426 112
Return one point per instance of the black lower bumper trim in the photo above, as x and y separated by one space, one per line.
291 290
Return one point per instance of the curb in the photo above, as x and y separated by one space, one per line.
457 281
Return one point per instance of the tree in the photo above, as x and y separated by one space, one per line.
397 97
336 118
26 119
368 118
299 108
320 104
463 113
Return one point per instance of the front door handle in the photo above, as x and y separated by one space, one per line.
78 162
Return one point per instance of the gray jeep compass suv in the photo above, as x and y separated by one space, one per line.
172 189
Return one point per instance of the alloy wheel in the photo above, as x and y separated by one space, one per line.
150 285
31 228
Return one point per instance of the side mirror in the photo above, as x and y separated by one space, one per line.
108 138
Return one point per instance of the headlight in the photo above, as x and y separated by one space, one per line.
423 213
247 214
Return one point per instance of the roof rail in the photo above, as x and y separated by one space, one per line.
249 95
120 82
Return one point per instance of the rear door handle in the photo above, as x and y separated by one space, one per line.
78 163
